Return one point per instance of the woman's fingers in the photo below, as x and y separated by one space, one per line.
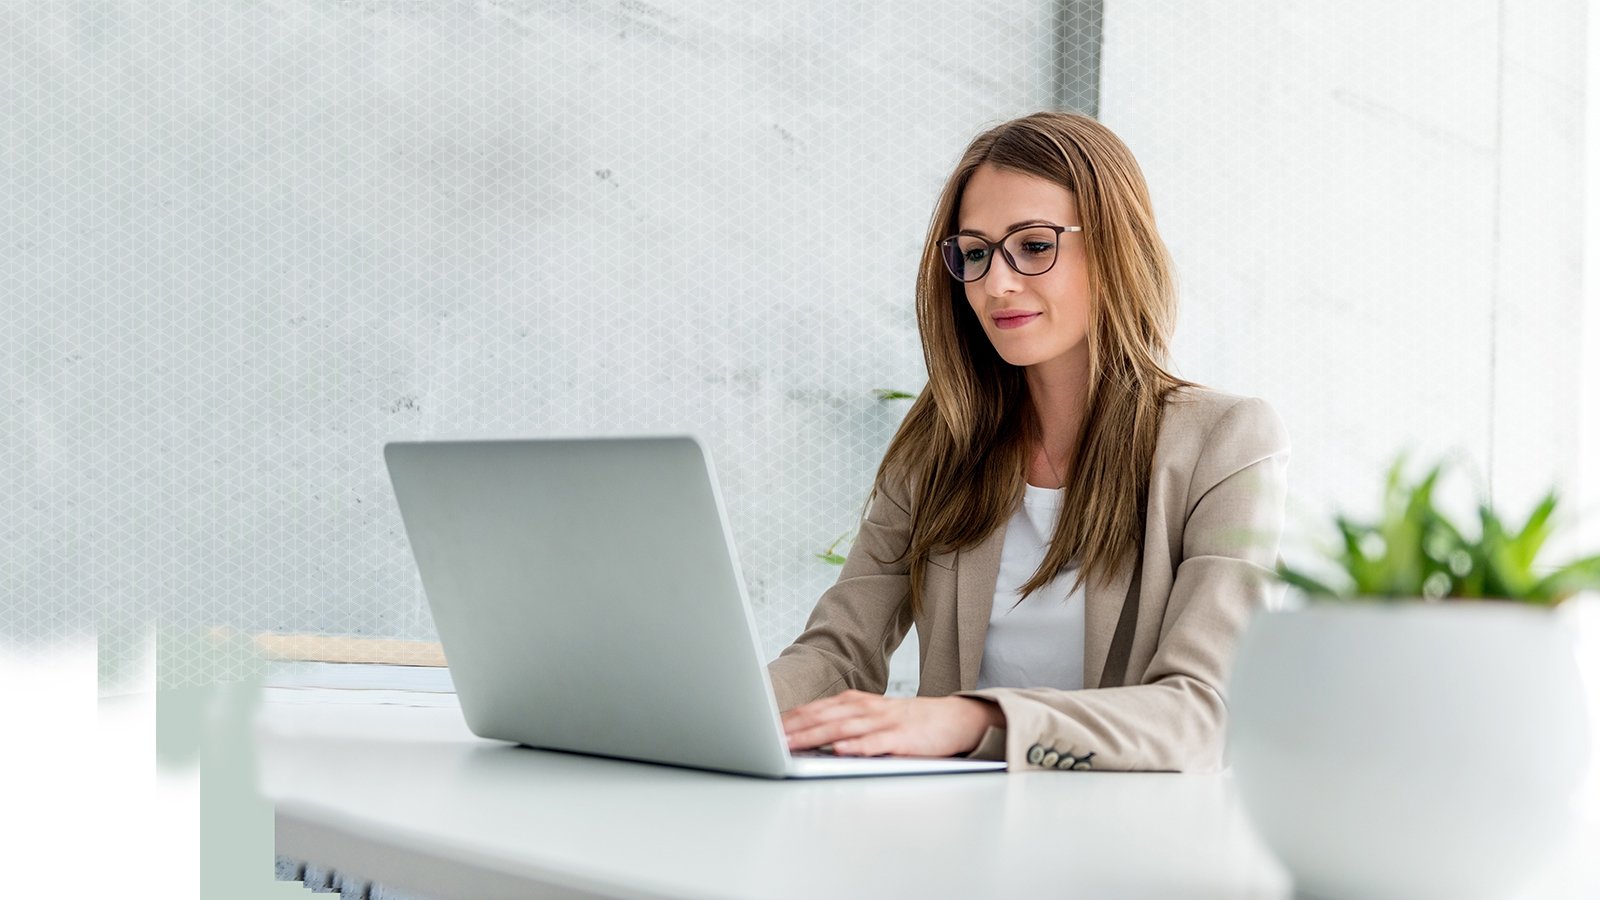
835 731
828 709
861 724
846 722
836 718
884 740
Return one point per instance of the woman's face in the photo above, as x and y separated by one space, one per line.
995 201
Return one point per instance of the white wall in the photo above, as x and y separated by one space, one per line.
1588 539
1589 356
1373 211
248 244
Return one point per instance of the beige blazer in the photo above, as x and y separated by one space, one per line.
1156 702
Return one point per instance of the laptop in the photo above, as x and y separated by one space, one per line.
588 599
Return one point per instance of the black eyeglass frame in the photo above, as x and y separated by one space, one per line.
1001 246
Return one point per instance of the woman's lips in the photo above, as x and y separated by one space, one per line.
1015 321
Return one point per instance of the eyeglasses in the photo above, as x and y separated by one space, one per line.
1031 250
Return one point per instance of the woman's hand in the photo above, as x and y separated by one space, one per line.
857 723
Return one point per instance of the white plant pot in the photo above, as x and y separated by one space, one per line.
1410 749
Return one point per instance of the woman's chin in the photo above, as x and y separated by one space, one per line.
1023 354
1020 358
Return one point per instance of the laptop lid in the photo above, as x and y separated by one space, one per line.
588 598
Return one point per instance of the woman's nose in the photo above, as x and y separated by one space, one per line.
1001 278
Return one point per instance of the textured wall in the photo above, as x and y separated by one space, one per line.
247 243
1376 214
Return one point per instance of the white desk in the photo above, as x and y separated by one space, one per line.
405 796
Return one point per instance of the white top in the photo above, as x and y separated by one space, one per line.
1040 642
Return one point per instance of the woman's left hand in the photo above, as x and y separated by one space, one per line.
858 723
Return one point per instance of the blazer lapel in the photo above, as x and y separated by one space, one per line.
1102 607
977 570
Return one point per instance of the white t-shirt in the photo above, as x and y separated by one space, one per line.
1040 642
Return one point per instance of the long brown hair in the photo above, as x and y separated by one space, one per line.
962 449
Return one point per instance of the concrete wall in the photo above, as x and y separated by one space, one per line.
247 244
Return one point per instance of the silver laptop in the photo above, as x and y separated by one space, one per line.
588 598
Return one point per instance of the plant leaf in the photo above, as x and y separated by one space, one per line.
1363 570
1525 546
1305 582
1505 577
1578 575
1404 533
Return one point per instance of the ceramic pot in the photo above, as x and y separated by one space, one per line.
1410 749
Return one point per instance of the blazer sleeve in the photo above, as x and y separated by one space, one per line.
860 620
1174 719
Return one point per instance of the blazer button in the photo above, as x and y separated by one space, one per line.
1066 762
1035 753
1084 763
1082 766
1049 760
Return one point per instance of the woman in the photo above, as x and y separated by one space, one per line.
1078 536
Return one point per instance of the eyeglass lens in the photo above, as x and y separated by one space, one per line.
1033 249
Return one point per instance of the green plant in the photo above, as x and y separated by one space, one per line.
1414 550
831 556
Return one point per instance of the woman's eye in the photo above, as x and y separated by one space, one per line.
976 255
1037 247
